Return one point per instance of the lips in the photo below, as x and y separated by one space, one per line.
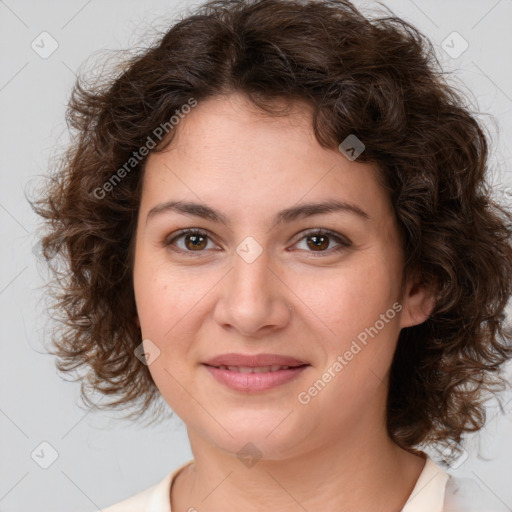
254 369
270 362
254 373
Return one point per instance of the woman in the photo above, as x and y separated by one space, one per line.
278 220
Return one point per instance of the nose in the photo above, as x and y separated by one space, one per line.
253 300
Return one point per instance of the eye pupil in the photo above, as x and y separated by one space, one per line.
319 241
197 241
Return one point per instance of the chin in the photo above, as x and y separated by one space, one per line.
271 440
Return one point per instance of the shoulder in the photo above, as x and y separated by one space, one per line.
143 501
438 491
152 499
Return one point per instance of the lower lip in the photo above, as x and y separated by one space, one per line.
254 382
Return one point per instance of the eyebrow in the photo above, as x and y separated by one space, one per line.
204 211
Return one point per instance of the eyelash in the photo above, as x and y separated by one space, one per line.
312 232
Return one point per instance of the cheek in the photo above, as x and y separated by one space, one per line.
163 295
162 306
168 301
361 311
347 300
360 308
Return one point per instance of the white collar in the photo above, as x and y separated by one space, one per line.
428 493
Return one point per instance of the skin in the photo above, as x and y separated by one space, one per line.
294 299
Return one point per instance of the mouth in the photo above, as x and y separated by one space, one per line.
256 369
268 362
254 379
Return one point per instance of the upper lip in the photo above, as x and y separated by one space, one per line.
254 360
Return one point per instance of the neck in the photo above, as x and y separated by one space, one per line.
362 471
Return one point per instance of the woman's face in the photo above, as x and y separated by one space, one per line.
256 281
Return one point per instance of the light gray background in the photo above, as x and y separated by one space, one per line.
101 461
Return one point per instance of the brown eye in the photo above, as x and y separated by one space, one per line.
192 241
319 240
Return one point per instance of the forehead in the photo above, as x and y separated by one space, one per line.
228 153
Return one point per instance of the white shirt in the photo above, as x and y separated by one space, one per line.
435 491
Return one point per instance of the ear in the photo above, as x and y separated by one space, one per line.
417 302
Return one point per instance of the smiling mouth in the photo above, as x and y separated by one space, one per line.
255 369
255 379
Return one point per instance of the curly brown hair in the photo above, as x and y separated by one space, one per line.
377 78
